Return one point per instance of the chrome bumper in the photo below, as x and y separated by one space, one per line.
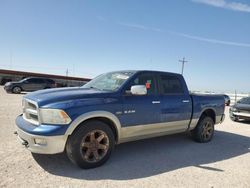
42 144
241 114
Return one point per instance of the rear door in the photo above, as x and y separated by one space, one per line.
34 84
29 84
176 104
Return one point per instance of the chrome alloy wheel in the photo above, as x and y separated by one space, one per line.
94 146
207 130
16 90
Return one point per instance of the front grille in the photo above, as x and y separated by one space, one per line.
30 111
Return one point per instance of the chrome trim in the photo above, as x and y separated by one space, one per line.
138 132
156 102
29 109
186 101
193 124
138 90
54 144
241 114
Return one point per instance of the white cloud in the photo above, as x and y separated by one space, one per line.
236 6
215 41
139 26
193 37
131 25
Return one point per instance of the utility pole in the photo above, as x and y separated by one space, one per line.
67 73
183 61
11 58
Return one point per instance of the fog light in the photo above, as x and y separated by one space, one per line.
40 141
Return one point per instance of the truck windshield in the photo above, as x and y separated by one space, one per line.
109 81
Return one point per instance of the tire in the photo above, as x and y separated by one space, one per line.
234 118
16 89
91 144
204 130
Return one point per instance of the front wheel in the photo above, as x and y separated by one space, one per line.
204 130
91 144
16 90
234 118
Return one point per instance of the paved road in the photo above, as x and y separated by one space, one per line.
173 161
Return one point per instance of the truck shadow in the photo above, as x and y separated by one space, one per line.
150 157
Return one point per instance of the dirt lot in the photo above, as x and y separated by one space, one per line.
173 161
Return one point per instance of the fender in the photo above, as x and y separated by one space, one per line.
194 121
95 114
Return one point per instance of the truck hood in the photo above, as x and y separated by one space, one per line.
47 96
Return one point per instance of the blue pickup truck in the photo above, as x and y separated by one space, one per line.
116 107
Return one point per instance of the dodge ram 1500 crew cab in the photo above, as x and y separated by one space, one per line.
113 108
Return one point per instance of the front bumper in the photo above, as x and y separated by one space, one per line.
36 143
241 115
8 89
50 145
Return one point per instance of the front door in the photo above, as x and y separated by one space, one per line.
141 110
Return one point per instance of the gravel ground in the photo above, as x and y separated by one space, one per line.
170 161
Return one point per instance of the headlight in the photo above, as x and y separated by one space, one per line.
54 116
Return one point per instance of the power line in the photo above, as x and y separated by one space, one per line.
183 61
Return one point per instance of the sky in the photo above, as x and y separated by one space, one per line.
90 37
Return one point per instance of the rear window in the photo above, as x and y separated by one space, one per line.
35 80
170 85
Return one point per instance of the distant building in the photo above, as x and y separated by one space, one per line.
10 75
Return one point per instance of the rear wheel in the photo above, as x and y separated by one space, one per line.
91 144
16 90
204 130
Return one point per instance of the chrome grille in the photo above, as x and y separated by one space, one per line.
30 111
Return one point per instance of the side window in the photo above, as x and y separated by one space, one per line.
30 81
170 85
145 79
50 81
36 81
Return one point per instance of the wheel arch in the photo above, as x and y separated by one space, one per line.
104 116
17 86
210 112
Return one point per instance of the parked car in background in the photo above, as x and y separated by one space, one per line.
227 100
113 108
241 110
29 84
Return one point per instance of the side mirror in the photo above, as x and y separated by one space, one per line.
139 90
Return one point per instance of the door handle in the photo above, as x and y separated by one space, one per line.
185 101
156 102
